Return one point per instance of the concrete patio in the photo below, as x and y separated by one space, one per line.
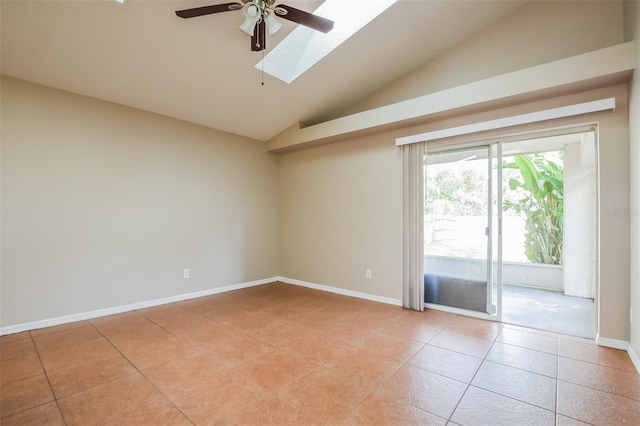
548 310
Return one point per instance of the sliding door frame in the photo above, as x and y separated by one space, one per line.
498 142
493 311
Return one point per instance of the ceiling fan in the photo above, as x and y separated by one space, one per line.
260 18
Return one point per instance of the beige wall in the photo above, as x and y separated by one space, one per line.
632 32
614 228
341 213
104 206
340 207
313 249
537 33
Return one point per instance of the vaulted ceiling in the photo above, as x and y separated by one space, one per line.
201 70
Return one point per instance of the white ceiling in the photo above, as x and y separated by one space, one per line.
140 54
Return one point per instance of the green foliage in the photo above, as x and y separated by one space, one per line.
537 195
456 194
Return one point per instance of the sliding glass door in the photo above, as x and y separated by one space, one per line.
460 227
538 197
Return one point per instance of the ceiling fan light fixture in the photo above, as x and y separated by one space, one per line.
251 17
273 25
251 9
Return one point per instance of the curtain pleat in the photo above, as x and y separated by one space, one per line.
413 226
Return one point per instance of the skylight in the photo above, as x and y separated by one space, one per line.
304 47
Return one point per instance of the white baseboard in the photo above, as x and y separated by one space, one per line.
125 308
612 343
602 341
634 358
622 345
342 291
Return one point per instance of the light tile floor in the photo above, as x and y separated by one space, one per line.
278 354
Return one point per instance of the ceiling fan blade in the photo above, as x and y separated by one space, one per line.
208 10
259 37
304 18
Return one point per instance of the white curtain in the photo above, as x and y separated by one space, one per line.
413 226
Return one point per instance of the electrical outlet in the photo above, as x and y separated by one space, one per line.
185 273
368 273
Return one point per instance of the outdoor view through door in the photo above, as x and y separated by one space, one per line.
458 211
510 232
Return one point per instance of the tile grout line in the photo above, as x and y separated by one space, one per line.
231 369
373 390
557 378
53 394
406 363
140 371
370 391
425 344
108 381
474 376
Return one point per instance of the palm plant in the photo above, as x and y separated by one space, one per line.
537 195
